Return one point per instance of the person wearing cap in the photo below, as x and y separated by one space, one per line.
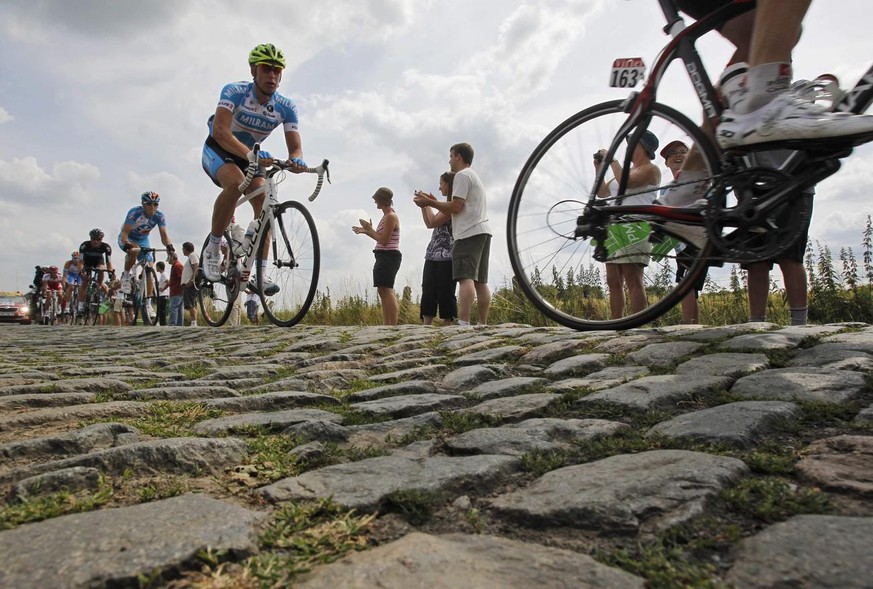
674 154
387 252
625 266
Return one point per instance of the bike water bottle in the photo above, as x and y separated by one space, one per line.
237 238
250 234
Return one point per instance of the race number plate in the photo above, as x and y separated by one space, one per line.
626 72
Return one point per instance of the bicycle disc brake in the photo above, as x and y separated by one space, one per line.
744 226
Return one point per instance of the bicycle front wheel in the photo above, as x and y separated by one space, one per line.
558 271
292 266
216 299
92 302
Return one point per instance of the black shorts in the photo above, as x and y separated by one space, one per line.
189 296
386 267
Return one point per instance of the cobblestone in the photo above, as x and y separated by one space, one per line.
504 456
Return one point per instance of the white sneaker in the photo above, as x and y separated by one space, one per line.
212 264
125 283
788 117
270 287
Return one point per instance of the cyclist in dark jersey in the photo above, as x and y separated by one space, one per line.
96 254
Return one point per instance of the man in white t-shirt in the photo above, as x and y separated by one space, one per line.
471 231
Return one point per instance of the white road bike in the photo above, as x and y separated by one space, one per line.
282 249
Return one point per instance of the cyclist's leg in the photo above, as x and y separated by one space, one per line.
257 206
228 176
768 112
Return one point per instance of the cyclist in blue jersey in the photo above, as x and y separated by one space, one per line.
135 230
247 113
72 279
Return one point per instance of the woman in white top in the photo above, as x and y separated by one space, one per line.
625 266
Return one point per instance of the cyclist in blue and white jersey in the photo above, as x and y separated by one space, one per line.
72 278
135 230
247 113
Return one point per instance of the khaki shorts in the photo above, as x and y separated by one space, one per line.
470 258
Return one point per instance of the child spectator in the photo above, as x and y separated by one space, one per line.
163 292
117 298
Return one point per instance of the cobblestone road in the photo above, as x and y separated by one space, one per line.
509 456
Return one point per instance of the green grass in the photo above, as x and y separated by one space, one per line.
171 419
54 505
416 507
773 499
539 462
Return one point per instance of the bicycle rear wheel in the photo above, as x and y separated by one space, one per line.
216 299
556 270
293 264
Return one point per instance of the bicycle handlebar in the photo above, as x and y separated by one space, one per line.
278 166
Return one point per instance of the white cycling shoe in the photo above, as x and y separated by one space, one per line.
788 117
212 265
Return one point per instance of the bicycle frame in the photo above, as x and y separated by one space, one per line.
266 218
682 47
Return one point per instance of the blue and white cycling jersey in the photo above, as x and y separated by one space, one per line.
253 121
142 224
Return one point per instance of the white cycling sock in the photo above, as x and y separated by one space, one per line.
732 85
216 241
764 83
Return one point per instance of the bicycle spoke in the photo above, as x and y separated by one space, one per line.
563 274
292 266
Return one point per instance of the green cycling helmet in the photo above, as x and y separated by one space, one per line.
267 53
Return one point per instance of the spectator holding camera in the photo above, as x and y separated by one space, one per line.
625 265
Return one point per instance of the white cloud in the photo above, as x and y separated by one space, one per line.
119 94
23 181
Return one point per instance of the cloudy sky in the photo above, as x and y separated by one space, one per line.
101 100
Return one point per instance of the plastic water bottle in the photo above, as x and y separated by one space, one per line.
237 238
250 234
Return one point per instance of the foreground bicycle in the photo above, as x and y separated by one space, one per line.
560 233
285 233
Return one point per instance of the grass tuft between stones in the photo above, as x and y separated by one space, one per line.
53 505
170 419
298 537
773 499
